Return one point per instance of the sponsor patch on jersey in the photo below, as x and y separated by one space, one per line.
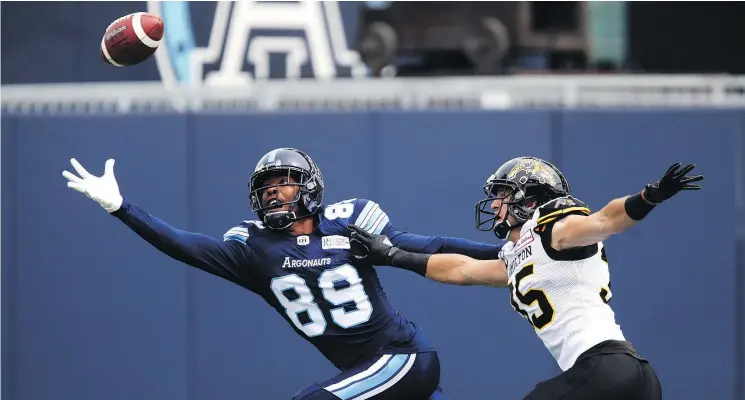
335 242
303 240
524 240
308 263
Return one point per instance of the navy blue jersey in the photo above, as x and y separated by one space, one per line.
328 296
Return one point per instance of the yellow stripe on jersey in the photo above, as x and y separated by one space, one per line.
554 215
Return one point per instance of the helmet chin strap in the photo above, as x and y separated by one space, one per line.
503 228
279 220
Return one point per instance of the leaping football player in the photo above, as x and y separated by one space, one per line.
297 257
556 269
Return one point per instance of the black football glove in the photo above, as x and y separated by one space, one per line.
671 183
377 249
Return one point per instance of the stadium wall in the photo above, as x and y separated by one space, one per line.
91 311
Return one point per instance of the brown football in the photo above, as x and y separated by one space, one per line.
131 39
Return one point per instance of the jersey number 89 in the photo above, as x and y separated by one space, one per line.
306 303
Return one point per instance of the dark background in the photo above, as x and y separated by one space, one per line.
59 41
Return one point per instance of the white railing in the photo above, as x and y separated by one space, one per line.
612 91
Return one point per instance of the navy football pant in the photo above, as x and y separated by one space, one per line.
388 376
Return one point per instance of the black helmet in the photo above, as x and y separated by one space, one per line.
525 179
307 176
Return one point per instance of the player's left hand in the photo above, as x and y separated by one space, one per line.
671 183
377 249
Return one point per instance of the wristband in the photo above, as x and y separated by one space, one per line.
637 207
412 261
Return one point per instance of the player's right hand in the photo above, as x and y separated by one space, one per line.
671 183
377 249
104 190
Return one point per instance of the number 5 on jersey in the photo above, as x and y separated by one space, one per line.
523 302
305 303
527 299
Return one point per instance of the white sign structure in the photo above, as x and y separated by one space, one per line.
239 36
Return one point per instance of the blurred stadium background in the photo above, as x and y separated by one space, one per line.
410 104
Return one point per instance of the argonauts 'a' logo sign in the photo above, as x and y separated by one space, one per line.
245 37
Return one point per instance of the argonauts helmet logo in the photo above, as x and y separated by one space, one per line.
251 40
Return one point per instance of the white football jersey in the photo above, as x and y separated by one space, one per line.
563 295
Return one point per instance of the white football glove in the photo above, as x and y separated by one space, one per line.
103 190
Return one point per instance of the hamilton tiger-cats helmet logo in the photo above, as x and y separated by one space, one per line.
312 36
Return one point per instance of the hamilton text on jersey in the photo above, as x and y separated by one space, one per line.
520 257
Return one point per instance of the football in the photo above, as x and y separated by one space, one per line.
131 39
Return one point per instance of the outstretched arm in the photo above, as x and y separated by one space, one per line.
369 216
208 254
622 213
454 269
441 244
457 269
221 258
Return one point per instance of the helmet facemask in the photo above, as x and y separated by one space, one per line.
271 212
299 170
522 184
519 205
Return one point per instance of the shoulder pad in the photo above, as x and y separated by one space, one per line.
364 213
369 216
242 231
559 208
336 216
